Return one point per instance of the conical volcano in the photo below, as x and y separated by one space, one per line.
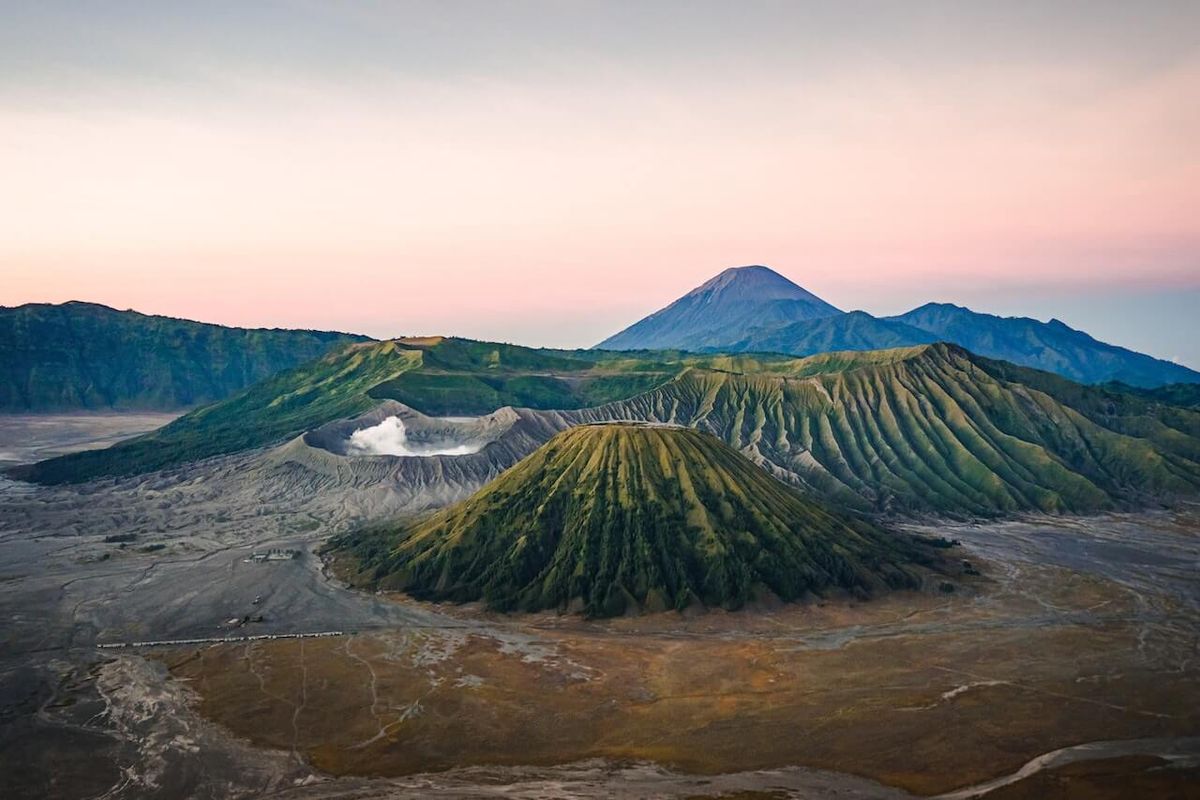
722 311
615 517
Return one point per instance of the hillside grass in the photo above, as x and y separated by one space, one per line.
909 430
609 518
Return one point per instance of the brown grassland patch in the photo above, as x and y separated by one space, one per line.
919 691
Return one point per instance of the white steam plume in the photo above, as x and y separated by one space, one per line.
389 438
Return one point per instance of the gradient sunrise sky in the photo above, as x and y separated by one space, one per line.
548 172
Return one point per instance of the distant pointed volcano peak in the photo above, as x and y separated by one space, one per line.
747 272
717 311
757 278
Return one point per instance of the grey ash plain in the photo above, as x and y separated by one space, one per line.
80 721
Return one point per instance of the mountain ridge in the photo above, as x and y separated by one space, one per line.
437 375
935 427
80 355
853 330
1052 346
930 428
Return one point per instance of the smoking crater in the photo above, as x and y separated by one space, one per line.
390 438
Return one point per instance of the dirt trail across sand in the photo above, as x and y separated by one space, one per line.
1181 752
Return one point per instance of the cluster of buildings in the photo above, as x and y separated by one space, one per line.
274 554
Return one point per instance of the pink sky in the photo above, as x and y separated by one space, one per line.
555 206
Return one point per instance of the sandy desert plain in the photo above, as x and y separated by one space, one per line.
1068 667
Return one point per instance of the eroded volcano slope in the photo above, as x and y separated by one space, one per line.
936 428
925 429
606 518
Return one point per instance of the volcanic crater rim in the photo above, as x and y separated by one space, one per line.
394 430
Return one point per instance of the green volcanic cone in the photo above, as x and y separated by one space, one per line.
608 518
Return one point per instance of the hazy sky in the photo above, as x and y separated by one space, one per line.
548 172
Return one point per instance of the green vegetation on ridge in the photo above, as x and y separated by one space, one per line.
435 375
1185 395
460 376
87 356
936 428
918 429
